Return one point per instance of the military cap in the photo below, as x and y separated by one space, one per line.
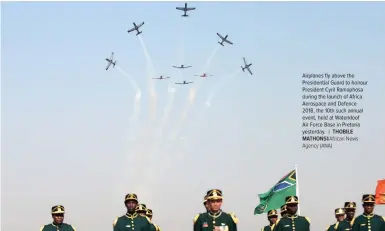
292 200
368 198
283 209
131 196
272 213
57 209
141 208
214 194
149 212
350 205
339 211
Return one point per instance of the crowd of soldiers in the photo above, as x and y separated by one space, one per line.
139 217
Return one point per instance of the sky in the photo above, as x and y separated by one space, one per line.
78 135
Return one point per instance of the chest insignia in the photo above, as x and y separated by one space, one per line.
128 226
205 225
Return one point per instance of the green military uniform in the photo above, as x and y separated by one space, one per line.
149 214
218 221
339 225
270 227
57 209
350 206
368 222
132 222
292 222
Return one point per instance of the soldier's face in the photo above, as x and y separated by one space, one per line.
283 214
350 213
273 219
131 205
292 208
58 218
340 217
368 207
215 205
207 206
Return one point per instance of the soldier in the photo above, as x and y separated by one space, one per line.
341 223
57 213
368 221
206 204
149 214
350 210
215 219
272 217
283 211
292 221
131 220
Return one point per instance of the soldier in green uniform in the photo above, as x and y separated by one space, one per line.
350 210
131 221
292 221
283 211
57 213
368 221
149 214
215 219
340 224
272 217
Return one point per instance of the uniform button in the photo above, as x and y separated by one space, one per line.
213 222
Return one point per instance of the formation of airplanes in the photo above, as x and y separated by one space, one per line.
185 9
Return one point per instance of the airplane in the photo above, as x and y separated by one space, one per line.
181 66
136 27
204 75
224 39
110 61
185 9
247 66
184 82
161 77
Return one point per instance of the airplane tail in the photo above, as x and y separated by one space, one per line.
243 69
114 64
184 15
139 32
221 44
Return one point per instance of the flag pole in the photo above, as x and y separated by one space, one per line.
297 188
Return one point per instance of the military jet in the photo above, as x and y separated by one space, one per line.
181 66
185 9
224 39
136 27
161 77
204 75
110 61
247 66
184 82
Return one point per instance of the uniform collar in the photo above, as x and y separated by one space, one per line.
215 215
292 216
368 215
133 215
57 225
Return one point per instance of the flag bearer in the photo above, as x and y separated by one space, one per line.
57 213
272 217
131 221
215 219
292 222
368 221
350 210
341 223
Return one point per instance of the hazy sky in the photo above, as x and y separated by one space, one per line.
67 138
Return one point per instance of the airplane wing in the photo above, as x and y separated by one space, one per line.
140 24
249 70
176 67
190 8
244 60
109 64
131 30
178 83
220 36
179 8
228 41
187 67
156 78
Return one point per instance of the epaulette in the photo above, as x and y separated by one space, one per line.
336 225
157 227
148 219
352 221
277 221
73 227
115 221
383 218
327 228
308 219
196 217
41 229
235 219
